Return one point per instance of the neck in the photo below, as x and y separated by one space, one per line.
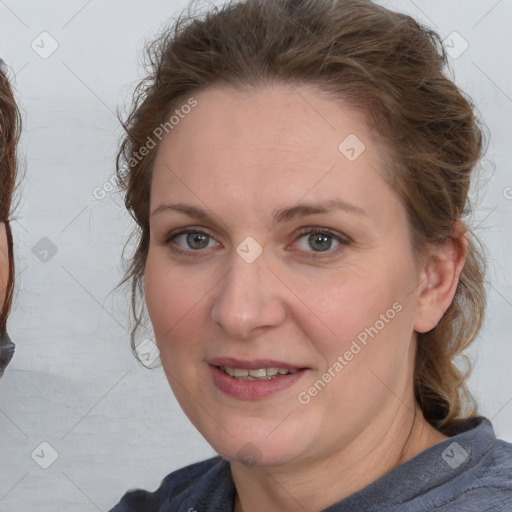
318 483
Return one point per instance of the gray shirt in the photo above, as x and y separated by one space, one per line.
469 472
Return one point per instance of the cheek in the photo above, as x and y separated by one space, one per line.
175 302
369 303
361 354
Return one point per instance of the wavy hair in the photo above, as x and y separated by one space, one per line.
10 129
384 64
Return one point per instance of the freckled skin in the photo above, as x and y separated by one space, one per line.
242 155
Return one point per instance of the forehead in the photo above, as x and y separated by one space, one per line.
273 117
275 144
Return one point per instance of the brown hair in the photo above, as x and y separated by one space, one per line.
384 64
10 128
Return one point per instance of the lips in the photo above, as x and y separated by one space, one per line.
253 388
260 373
253 364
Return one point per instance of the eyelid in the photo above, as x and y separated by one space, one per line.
168 241
343 240
187 229
317 229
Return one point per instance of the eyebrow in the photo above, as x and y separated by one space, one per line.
281 215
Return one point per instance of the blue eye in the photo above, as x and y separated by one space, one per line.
191 240
319 240
315 241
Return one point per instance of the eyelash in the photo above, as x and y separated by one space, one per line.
343 241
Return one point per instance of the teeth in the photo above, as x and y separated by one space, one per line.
257 374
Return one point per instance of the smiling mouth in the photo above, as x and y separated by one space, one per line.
256 374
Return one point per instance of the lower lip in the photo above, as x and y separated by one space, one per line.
253 389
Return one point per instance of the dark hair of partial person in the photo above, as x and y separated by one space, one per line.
388 67
10 129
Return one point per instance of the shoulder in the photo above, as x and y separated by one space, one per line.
493 473
471 471
490 458
486 488
184 489
482 474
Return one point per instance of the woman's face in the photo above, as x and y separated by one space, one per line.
276 243
4 263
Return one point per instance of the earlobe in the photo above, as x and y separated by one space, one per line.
439 281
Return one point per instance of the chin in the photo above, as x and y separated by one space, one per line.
257 444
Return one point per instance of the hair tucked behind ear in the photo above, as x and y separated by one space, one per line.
380 62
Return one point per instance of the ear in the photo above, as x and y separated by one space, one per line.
439 279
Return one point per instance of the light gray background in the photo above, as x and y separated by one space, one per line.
73 382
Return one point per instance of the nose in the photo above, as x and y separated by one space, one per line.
248 299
